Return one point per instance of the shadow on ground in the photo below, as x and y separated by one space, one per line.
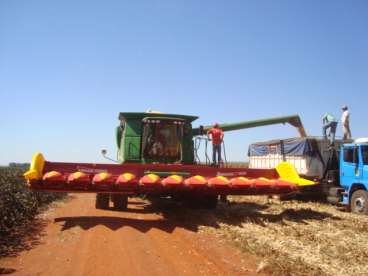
168 217
171 215
240 212
4 270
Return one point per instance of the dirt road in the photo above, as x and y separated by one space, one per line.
77 239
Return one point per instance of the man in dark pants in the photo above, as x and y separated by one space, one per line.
329 122
217 135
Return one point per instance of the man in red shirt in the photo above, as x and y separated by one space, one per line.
217 135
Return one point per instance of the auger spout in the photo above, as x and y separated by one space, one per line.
294 120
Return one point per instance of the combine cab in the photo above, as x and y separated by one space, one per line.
157 158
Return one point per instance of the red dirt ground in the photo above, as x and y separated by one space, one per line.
77 239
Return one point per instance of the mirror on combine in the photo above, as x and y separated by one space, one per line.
104 154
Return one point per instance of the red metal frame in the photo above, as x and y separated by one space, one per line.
264 181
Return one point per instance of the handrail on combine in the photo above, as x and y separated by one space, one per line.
197 144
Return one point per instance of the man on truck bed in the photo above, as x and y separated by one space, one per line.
345 120
329 122
217 135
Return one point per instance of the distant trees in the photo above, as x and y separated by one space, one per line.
19 165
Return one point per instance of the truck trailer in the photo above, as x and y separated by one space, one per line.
309 155
340 170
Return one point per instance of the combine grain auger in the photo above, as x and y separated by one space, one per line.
156 158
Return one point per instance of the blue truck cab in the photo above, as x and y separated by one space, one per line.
353 174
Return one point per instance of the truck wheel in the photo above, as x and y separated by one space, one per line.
102 201
359 202
120 201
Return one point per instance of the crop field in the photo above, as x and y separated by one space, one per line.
18 205
293 238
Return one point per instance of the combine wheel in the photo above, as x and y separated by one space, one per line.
210 202
102 201
202 201
359 202
120 201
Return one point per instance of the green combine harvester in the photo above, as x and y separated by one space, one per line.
158 157
134 135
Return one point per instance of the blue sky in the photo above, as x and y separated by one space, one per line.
68 67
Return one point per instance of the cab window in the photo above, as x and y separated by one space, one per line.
162 140
365 155
349 155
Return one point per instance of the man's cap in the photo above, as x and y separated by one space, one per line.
344 107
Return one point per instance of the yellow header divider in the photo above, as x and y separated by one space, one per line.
36 169
288 173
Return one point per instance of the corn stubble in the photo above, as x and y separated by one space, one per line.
296 238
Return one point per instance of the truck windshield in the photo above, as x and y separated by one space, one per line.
162 140
365 154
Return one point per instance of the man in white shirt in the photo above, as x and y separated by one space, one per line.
345 120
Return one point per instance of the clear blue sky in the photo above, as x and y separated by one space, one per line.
68 67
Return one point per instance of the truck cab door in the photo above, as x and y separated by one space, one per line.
364 159
350 171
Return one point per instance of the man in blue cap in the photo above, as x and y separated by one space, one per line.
329 122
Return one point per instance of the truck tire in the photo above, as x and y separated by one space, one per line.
120 201
333 200
359 202
102 201
335 191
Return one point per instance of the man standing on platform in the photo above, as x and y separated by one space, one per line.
329 122
217 135
345 120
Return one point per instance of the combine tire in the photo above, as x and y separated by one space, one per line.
120 201
210 202
359 202
201 201
102 201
